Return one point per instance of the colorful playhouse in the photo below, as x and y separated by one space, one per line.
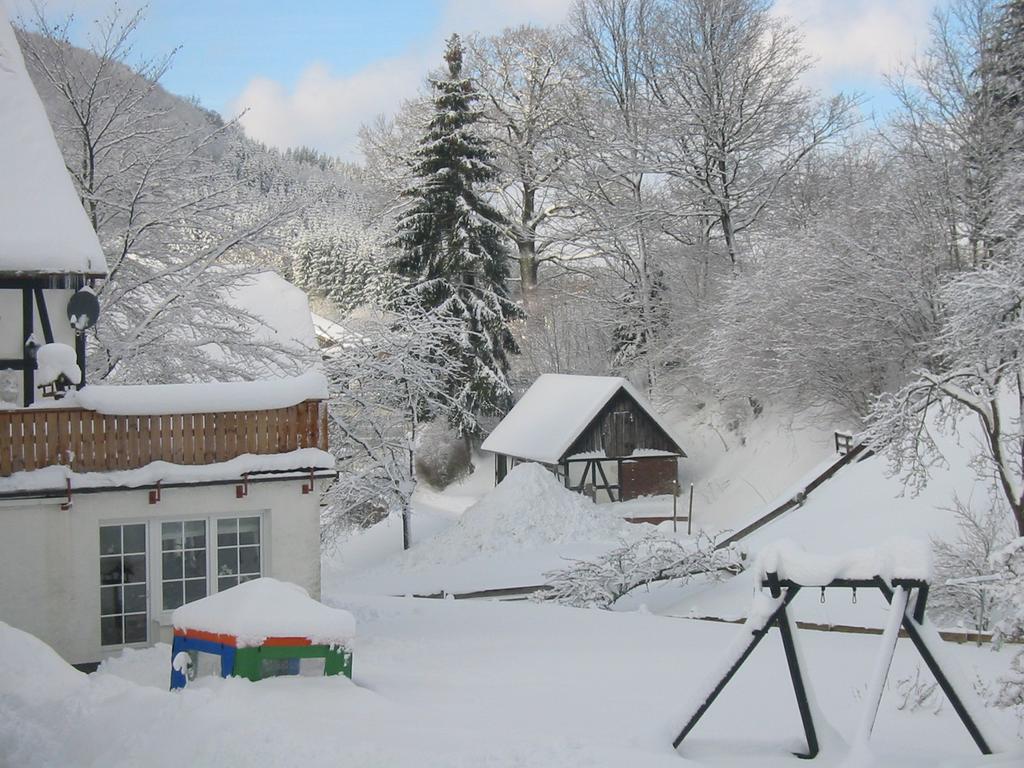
260 628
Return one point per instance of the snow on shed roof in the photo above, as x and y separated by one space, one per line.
262 608
43 227
554 411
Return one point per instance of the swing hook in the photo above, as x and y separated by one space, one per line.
854 595
822 600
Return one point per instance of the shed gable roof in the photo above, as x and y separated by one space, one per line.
555 411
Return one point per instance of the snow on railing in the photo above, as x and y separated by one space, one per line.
89 441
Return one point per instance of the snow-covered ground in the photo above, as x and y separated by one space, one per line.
481 683
455 683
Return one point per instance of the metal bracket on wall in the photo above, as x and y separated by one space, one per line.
154 494
242 489
308 487
66 505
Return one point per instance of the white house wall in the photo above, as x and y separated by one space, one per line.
49 558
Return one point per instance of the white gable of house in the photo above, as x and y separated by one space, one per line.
43 227
555 411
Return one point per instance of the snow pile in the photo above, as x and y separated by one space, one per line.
31 671
214 397
896 558
265 607
52 360
142 666
527 510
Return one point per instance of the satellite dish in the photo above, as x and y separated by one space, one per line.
83 310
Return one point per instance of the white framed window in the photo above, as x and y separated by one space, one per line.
183 562
203 555
239 551
124 615
176 561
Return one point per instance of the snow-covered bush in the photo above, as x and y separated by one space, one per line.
916 693
600 582
1009 594
442 457
962 593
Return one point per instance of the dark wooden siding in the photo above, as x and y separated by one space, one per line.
620 428
652 476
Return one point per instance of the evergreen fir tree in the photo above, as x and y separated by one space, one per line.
451 250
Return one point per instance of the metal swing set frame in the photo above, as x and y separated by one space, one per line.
907 596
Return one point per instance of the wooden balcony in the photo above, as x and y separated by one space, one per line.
87 441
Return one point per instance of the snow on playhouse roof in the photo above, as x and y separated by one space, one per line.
255 610
214 397
555 410
43 227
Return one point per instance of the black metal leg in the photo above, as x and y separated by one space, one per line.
788 643
932 663
755 637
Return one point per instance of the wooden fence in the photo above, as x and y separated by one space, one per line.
87 441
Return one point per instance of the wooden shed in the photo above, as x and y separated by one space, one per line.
595 432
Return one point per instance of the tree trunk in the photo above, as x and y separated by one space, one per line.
528 267
527 242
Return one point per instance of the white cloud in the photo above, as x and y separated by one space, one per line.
324 110
852 40
858 39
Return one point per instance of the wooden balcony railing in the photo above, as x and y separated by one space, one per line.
87 441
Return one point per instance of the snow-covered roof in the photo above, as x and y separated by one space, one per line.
555 411
43 227
262 608
214 397
282 307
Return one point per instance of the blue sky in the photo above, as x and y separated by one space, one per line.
312 71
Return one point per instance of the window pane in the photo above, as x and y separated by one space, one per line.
227 532
195 534
135 538
135 598
249 530
248 559
250 577
227 561
110 570
110 539
172 565
110 600
134 568
110 631
226 582
170 536
173 595
195 589
195 564
135 628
